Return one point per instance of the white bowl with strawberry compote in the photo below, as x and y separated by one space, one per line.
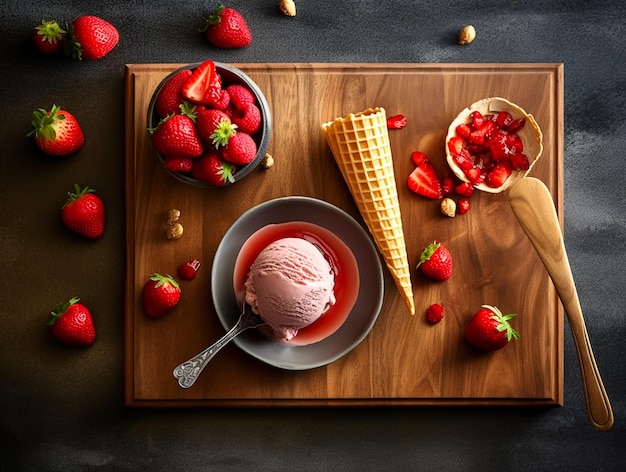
492 144
209 158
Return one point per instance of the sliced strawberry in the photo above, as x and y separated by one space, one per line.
424 181
456 145
481 135
464 130
447 185
499 174
463 206
520 162
396 122
463 159
516 125
202 83
478 120
503 119
464 189
189 269
418 157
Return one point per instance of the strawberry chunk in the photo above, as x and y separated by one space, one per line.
434 314
424 181
418 157
396 122
203 84
498 175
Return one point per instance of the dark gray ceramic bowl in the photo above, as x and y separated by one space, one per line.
230 75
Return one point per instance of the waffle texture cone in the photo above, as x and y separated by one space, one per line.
360 145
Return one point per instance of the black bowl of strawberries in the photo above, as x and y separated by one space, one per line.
209 124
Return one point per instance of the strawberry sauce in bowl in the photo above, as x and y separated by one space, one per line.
195 146
492 144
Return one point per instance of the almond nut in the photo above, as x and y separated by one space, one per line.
268 161
448 207
287 7
172 216
174 231
467 35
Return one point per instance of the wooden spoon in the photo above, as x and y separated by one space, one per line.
533 206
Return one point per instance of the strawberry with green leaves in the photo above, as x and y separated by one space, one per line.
240 149
48 37
176 136
436 262
160 295
57 132
213 170
91 38
71 323
170 96
214 127
227 28
489 329
84 213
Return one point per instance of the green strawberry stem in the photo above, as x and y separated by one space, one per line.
161 279
60 310
51 31
223 133
503 322
214 18
77 194
428 252
42 121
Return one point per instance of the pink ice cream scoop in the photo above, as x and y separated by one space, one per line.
290 285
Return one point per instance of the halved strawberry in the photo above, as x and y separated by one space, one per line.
499 174
203 84
424 181
418 157
456 145
464 189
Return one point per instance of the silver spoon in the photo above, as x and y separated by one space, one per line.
188 372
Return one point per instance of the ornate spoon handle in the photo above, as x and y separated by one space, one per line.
188 372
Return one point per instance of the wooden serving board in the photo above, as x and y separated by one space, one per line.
404 360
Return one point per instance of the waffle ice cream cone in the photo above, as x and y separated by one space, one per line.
360 144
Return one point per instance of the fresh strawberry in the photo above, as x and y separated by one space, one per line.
464 189
178 164
447 186
396 122
434 314
160 294
213 170
176 136
220 102
91 38
170 96
248 119
417 157
227 28
463 205
189 269
214 126
489 329
57 132
240 149
436 261
204 84
424 181
520 162
516 125
84 213
240 95
498 175
72 324
48 37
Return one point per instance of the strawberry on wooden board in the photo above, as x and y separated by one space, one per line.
72 323
489 329
91 38
424 181
84 213
396 122
160 294
170 96
436 261
57 132
48 37
240 149
189 269
213 170
227 28
176 136
434 314
203 85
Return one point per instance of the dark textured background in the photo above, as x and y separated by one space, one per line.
62 409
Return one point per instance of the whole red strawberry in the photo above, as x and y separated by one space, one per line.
176 136
72 324
57 132
91 38
248 119
160 294
227 28
84 213
48 37
214 127
489 329
170 96
240 149
436 261
213 170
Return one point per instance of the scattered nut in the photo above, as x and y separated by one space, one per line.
467 35
174 231
268 161
172 216
448 207
287 7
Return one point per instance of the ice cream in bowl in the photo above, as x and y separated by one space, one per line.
492 144
302 272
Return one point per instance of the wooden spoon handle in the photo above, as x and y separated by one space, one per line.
533 206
